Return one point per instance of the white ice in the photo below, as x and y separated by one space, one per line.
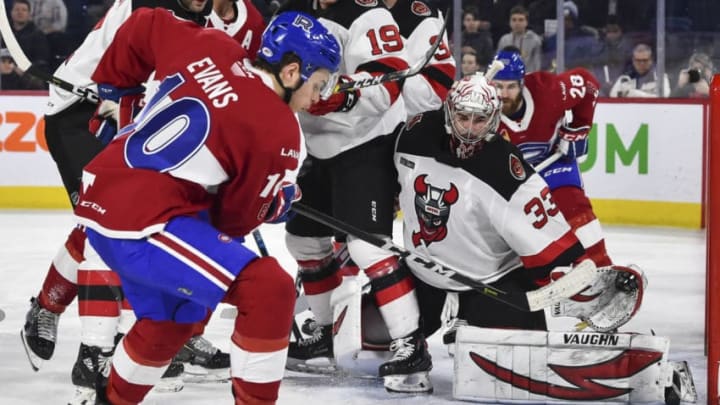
674 261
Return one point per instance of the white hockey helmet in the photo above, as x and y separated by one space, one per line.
472 114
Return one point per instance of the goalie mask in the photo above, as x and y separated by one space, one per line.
472 114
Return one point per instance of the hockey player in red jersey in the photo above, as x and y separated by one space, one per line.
533 118
72 146
239 19
167 203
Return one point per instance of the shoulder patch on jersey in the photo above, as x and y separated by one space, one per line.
516 168
420 8
367 3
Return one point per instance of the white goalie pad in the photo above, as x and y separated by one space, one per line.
515 366
360 337
609 302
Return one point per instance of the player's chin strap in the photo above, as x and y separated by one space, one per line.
287 91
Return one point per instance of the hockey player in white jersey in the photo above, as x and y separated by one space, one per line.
349 174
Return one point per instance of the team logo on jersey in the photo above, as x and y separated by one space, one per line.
582 379
367 3
420 8
432 206
516 168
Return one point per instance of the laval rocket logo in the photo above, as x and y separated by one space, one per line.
432 206
582 379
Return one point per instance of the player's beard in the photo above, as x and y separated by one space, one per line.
510 106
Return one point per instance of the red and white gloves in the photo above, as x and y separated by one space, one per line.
572 142
116 110
337 102
279 210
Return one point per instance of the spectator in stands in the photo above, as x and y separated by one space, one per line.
12 78
579 41
49 15
529 43
641 80
694 81
612 55
476 37
32 41
469 65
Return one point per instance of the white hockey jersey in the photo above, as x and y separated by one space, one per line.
483 216
79 66
420 24
371 44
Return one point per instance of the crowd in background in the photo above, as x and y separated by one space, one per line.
615 39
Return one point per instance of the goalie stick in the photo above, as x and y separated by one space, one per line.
398 74
565 287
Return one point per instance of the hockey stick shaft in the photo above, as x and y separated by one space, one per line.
567 286
398 74
547 162
22 62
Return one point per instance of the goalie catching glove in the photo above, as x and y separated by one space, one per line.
117 109
572 142
612 299
342 101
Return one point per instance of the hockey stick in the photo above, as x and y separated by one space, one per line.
22 62
492 70
547 162
565 287
398 74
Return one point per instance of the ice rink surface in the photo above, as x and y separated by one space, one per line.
674 261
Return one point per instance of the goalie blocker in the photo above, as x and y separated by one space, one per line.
515 366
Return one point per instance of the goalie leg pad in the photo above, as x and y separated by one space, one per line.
610 301
499 365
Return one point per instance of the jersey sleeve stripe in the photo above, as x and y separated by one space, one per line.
440 78
552 252
386 65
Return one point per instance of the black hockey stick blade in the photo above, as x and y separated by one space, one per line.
517 300
398 74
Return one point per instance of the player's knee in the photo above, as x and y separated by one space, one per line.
364 254
263 280
308 248
158 340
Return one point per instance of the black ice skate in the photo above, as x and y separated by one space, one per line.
409 368
308 327
91 367
314 354
203 362
39 334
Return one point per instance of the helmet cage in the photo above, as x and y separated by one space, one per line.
470 100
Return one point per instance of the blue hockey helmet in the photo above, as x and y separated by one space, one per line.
514 66
305 37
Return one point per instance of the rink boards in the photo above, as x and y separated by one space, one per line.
644 166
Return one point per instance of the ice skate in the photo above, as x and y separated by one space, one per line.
408 370
39 334
203 362
314 354
91 365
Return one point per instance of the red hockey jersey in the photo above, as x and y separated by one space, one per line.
214 137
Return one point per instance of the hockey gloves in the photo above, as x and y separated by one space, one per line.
279 210
336 102
116 110
572 142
